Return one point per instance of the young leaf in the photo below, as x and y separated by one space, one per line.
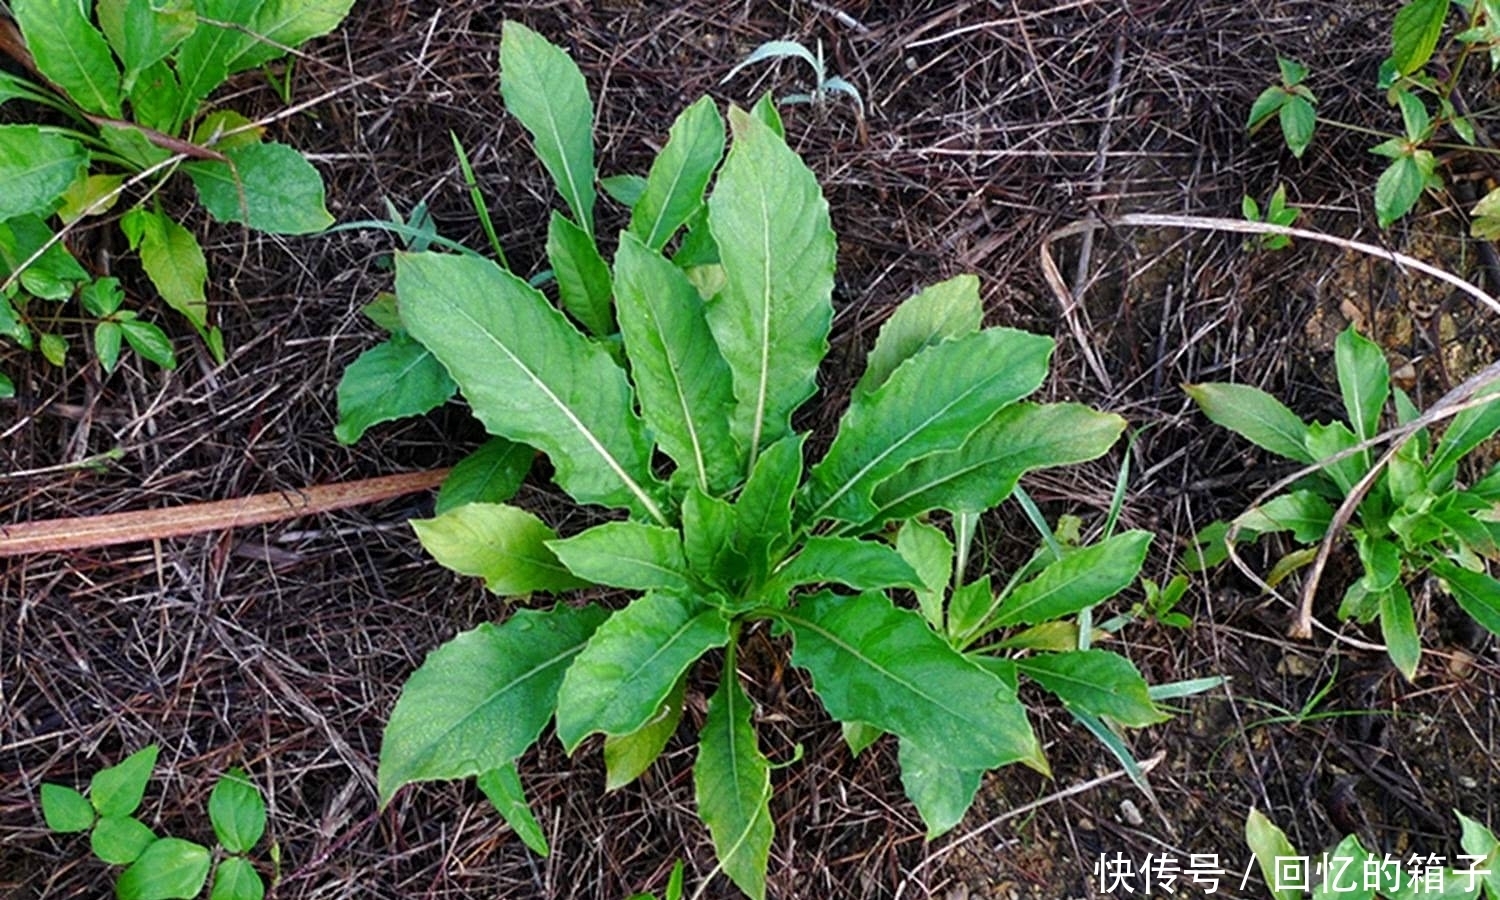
172 259
732 781
236 879
1364 381
764 507
625 189
1398 628
156 96
679 174
931 403
70 52
117 790
618 683
107 337
1398 189
929 552
82 195
168 869
1255 415
1097 682
142 34
238 812
1077 581
54 275
482 698
771 320
149 341
1415 33
583 282
491 474
984 471
941 793
65 810
1479 841
627 555
684 384
7 387
626 756
504 545
1305 514
36 168
1477 594
972 603
1269 844
710 540
873 662
120 840
544 89
949 309
858 736
502 786
268 187
1466 431
862 565
1326 440
54 349
768 115
389 381
1266 105
1298 119
530 376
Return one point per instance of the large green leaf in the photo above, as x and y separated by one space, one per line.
929 552
1415 33
530 376
504 545
173 261
142 34
862 565
168 869
1400 186
52 275
626 756
627 555
984 471
268 187
684 384
764 507
70 52
491 474
1467 430
482 698
1255 415
619 681
502 787
679 174
202 60
117 790
946 310
156 96
733 784
771 320
1364 381
36 168
1077 581
930 404
583 282
237 811
1329 439
941 793
1095 681
545 90
876 663
392 380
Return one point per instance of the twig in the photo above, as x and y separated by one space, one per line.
58 535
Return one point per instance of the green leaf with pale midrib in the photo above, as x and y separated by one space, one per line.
630 665
544 89
684 384
873 662
679 175
70 52
732 780
36 169
862 565
1077 581
482 698
941 793
931 403
943 311
583 281
771 320
530 376
269 187
1096 681
504 545
627 555
1254 415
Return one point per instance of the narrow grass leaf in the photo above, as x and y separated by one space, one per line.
632 663
504 545
732 781
771 320
530 376
544 89
482 698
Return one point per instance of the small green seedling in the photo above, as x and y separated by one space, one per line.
128 81
163 868
1417 521
1277 213
823 83
1349 871
662 386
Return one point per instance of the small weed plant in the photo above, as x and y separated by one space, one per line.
1422 79
663 389
1349 871
163 868
823 83
1418 519
116 92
